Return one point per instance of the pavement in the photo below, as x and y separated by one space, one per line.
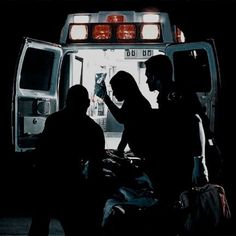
19 226
11 226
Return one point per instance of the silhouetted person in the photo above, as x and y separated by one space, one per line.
133 112
177 153
69 139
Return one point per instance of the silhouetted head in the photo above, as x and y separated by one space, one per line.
77 99
123 85
159 72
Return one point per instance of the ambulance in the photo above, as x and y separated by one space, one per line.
94 47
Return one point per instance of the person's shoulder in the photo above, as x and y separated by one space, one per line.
53 117
56 114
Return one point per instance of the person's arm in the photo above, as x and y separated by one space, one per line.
115 110
123 143
200 172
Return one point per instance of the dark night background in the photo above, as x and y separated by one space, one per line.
43 19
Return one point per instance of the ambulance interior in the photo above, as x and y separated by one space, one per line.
90 65
37 96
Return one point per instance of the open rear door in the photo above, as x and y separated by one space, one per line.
35 93
196 68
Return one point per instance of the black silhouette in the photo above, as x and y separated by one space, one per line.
132 114
70 139
181 136
177 151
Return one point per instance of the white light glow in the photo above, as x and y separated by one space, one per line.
150 32
78 32
151 18
181 37
81 19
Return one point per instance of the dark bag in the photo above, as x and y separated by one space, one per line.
206 208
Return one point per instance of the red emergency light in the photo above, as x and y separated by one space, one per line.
115 18
101 32
126 31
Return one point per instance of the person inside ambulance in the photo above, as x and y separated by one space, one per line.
70 137
177 153
132 114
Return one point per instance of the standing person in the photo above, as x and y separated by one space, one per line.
69 138
132 114
177 153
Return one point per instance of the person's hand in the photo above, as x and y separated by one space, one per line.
100 86
200 172
101 90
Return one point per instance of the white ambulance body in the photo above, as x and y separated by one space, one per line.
100 44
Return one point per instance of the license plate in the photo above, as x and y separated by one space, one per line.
138 53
